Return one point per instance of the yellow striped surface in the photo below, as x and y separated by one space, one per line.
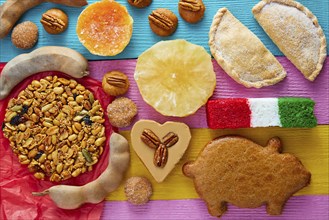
309 145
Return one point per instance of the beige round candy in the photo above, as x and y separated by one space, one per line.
138 190
25 35
121 112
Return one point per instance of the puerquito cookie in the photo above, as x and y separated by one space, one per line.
236 170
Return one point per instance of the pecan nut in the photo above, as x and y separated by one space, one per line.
190 5
115 83
191 11
54 21
170 139
160 156
163 22
140 3
150 139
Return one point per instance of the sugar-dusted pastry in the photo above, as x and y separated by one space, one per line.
233 169
296 31
241 54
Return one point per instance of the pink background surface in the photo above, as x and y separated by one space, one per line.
293 85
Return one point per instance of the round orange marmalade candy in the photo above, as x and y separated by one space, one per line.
105 28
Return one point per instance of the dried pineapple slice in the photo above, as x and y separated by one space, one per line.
105 28
175 77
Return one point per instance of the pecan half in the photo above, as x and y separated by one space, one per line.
190 5
170 139
150 139
117 81
136 1
161 20
191 11
160 156
139 2
54 21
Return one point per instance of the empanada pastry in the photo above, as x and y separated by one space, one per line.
296 31
241 54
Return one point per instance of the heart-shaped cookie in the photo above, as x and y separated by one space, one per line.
148 152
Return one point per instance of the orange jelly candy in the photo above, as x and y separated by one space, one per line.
105 28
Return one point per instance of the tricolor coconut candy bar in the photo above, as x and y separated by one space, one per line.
261 112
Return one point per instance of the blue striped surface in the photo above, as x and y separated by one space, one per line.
144 38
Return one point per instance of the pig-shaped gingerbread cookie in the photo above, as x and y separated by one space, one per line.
236 170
